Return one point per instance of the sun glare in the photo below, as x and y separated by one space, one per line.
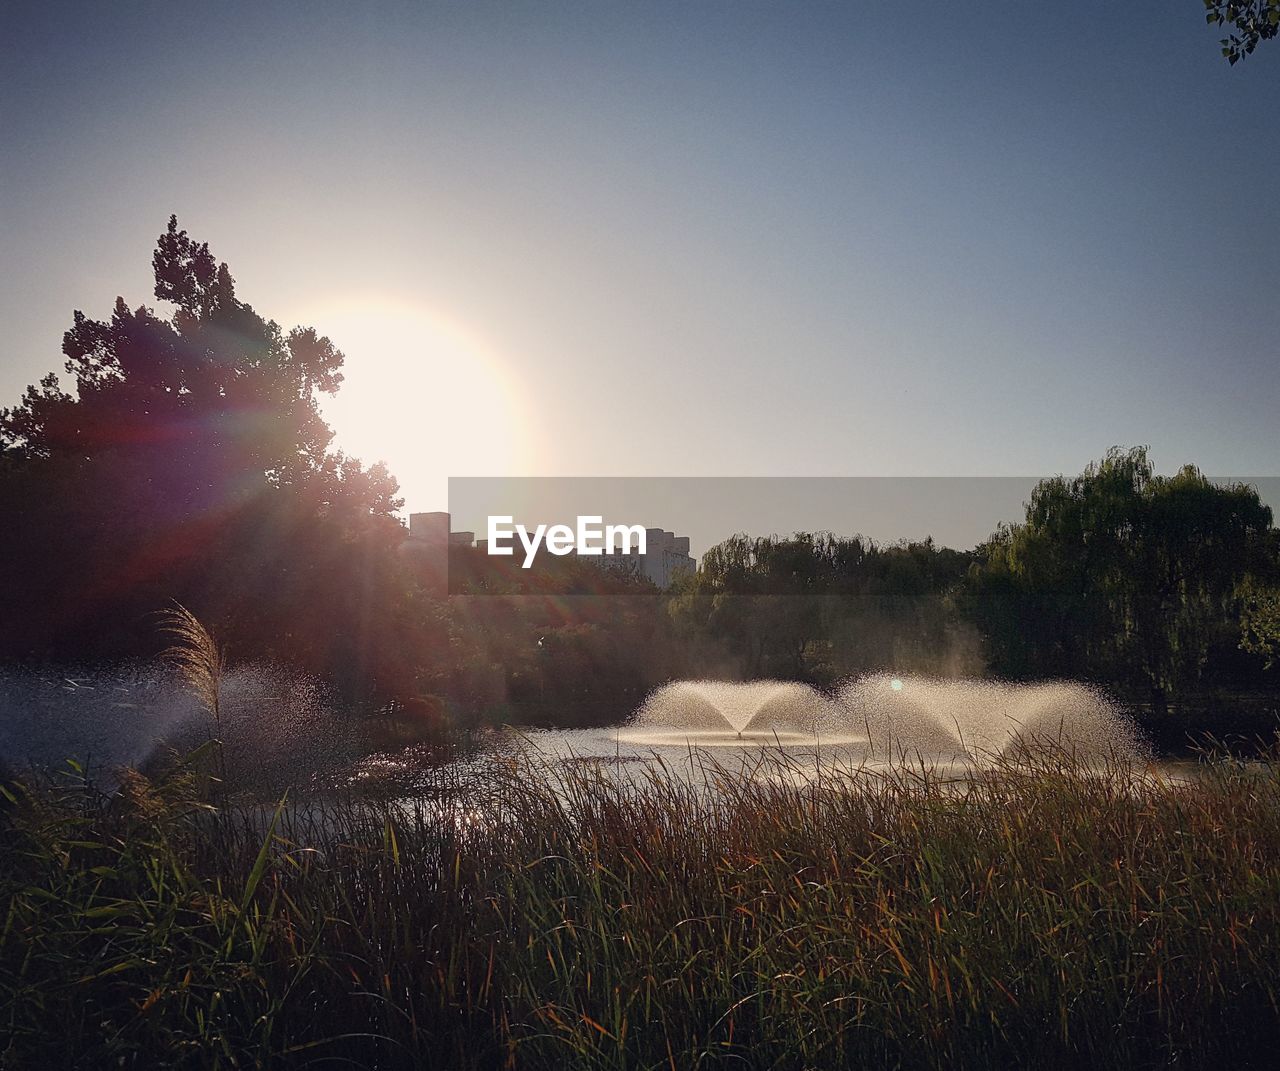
424 394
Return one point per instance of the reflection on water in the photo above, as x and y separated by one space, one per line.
791 756
747 738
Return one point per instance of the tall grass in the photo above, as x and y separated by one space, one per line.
201 664
1042 914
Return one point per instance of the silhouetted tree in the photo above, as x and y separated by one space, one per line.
190 461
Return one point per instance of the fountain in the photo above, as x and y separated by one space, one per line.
278 726
882 718
976 721
730 713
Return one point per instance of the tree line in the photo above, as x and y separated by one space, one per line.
187 461
1163 589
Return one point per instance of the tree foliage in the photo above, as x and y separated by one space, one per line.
1260 620
189 460
1251 22
1121 575
819 606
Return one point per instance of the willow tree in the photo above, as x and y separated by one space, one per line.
1260 620
1123 575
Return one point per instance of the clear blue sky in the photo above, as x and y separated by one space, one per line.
685 239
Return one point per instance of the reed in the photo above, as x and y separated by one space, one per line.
569 917
200 663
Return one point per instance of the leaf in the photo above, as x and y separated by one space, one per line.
259 865
105 911
393 843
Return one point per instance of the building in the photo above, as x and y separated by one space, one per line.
666 554
433 528
666 557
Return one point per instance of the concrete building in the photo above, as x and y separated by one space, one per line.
666 557
429 527
434 528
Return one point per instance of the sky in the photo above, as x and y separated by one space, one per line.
690 239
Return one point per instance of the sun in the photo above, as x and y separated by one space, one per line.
424 394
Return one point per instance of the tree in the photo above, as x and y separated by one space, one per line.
816 606
1121 575
1253 21
189 461
1260 620
215 394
